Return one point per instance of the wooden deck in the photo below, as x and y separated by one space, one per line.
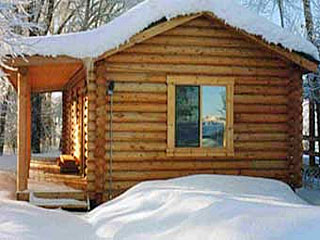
49 188
48 170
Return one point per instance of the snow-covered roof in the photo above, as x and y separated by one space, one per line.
95 42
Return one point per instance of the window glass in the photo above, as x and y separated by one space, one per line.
213 116
187 127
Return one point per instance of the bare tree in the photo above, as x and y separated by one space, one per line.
308 19
12 17
281 11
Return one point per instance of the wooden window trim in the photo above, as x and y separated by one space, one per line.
228 82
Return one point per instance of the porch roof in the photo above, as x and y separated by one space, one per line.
46 74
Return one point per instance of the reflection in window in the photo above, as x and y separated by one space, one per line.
213 116
187 116
200 106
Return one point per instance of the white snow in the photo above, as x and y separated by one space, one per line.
207 207
55 202
22 221
110 36
189 208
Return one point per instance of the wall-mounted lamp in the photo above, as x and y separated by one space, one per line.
110 88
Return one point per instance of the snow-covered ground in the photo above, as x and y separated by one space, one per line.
195 207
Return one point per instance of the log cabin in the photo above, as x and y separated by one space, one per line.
189 91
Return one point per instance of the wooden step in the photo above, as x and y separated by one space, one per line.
78 195
70 200
44 167
73 181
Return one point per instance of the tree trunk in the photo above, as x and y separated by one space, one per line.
308 19
36 123
281 12
311 133
3 115
49 16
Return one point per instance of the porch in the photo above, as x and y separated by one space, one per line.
58 181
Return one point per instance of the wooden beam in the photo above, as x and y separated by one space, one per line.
41 60
24 129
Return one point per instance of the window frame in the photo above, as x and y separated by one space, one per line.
176 80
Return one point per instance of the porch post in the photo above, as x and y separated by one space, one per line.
24 129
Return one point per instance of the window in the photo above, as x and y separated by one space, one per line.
200 116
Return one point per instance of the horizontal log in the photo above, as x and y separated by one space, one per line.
138 127
196 165
260 128
261 137
197 69
138 107
137 136
153 175
260 89
140 87
136 146
201 32
272 145
193 59
256 99
140 98
199 41
199 51
162 156
202 22
260 118
256 108
274 173
135 77
121 185
134 117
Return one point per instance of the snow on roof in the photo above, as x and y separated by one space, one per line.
95 42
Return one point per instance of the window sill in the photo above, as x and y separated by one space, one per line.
199 152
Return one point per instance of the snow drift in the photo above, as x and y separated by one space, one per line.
95 42
189 208
207 207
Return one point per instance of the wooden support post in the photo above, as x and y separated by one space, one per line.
311 132
24 129
91 170
28 123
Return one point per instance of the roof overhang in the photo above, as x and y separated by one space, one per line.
46 74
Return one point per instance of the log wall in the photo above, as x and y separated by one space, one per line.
263 135
74 117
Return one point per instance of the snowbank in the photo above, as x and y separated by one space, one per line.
95 42
190 208
207 207
22 221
